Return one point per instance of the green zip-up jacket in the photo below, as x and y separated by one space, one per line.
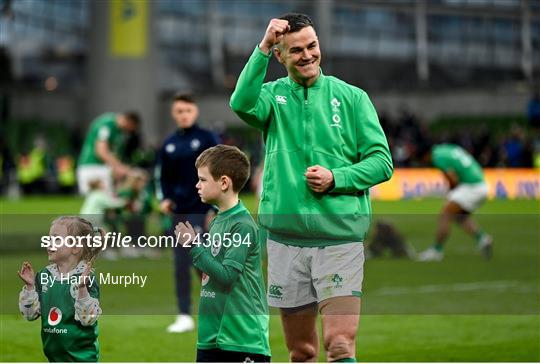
330 123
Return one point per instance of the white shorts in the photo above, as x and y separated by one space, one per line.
301 276
469 196
91 172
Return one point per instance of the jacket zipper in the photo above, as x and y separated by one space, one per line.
307 151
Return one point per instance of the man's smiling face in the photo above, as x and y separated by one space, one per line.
299 52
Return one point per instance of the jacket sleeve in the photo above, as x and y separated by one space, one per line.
375 162
111 202
87 309
29 304
163 190
226 273
250 101
223 275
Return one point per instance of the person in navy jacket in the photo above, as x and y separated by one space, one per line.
176 177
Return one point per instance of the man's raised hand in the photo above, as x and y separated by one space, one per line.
274 33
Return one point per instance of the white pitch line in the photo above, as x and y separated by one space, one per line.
520 287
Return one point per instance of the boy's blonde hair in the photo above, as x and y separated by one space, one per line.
226 160
77 226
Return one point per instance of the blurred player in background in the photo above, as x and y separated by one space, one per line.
134 190
176 177
324 149
468 191
102 146
98 201
98 208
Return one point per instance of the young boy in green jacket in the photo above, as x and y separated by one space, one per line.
233 312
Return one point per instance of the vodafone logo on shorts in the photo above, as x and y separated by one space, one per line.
205 279
55 316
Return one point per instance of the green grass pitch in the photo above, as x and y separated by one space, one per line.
461 309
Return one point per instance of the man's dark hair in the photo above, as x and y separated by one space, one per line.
184 96
226 160
134 117
297 21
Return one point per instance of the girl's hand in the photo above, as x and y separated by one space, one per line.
84 281
27 275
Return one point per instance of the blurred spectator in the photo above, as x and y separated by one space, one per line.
536 153
65 173
514 147
6 164
6 80
492 149
533 110
32 168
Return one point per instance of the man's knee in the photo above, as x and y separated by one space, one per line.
339 347
340 322
303 352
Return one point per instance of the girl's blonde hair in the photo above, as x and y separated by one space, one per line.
77 226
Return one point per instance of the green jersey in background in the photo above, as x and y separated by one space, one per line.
233 315
103 128
451 157
64 338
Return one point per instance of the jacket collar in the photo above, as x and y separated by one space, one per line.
182 131
239 207
53 268
318 82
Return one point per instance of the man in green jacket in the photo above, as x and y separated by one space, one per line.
103 144
324 149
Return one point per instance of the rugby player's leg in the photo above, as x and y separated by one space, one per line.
450 212
468 224
484 241
300 328
340 318
464 219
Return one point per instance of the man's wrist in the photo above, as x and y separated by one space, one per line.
332 186
265 49
338 181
